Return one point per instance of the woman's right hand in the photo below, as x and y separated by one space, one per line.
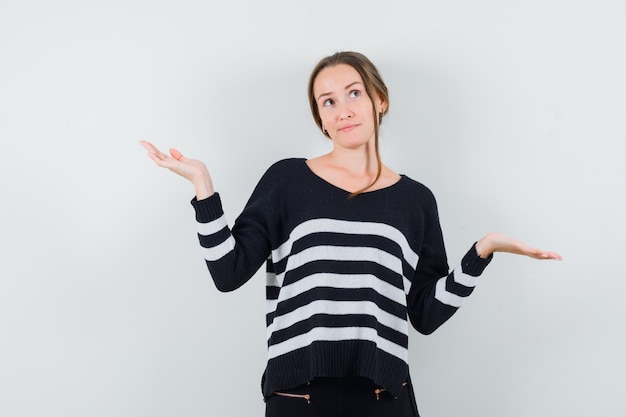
191 169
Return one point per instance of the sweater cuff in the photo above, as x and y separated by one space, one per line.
474 265
208 209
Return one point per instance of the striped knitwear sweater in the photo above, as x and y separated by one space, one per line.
345 276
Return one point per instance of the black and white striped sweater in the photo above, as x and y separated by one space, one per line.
344 276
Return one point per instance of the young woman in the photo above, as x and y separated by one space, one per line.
354 253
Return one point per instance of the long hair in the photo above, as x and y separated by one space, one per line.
374 86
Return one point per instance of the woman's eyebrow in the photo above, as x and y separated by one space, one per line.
345 88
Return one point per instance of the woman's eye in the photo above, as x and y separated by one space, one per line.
355 93
327 103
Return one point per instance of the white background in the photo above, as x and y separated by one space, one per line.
512 112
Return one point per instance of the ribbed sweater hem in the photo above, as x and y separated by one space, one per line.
335 359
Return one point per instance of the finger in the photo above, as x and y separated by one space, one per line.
158 159
148 146
163 160
545 255
176 154
552 255
152 150
522 249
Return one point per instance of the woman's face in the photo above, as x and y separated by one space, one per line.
344 106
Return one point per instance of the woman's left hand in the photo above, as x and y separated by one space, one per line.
495 242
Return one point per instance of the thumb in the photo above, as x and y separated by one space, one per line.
176 154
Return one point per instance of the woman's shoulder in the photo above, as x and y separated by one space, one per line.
284 167
415 186
286 164
413 191
282 170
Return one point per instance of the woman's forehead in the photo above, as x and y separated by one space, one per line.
336 78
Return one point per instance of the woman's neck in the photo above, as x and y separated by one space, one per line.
361 162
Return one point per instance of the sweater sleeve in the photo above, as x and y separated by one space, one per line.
437 293
234 255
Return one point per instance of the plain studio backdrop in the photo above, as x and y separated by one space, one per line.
512 112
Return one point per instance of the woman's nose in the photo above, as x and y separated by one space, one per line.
345 112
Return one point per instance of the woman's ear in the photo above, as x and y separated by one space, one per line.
382 106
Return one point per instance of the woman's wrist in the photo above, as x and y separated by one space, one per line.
484 247
203 185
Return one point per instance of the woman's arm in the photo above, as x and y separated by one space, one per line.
433 300
436 293
232 255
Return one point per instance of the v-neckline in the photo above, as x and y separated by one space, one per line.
336 187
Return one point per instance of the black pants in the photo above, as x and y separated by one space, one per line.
341 397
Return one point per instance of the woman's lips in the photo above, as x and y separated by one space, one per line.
347 128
